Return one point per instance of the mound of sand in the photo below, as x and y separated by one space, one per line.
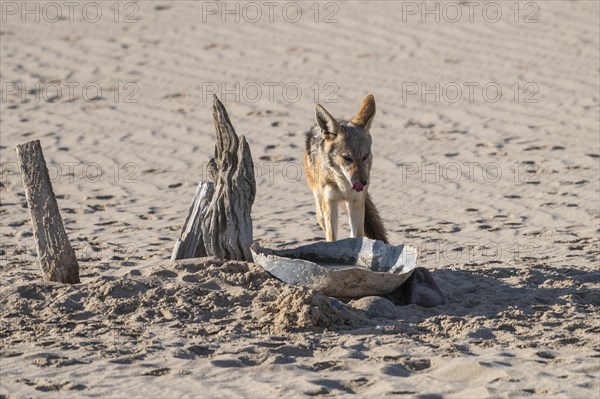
192 297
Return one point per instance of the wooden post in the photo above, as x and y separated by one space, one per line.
223 214
55 253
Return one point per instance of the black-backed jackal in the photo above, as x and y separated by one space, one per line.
338 161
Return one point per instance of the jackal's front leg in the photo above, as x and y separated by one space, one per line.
330 219
356 214
319 209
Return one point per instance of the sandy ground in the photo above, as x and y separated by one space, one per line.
499 192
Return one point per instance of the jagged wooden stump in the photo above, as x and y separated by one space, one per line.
55 254
224 215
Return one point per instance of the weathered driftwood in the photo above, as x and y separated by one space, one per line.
55 253
191 243
224 216
227 225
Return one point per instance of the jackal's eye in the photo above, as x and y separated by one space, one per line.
347 158
365 157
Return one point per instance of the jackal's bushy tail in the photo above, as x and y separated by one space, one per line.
374 228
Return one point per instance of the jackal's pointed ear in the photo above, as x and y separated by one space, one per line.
366 113
328 124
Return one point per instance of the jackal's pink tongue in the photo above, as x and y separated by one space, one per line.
357 187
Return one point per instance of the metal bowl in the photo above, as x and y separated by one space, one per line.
350 268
